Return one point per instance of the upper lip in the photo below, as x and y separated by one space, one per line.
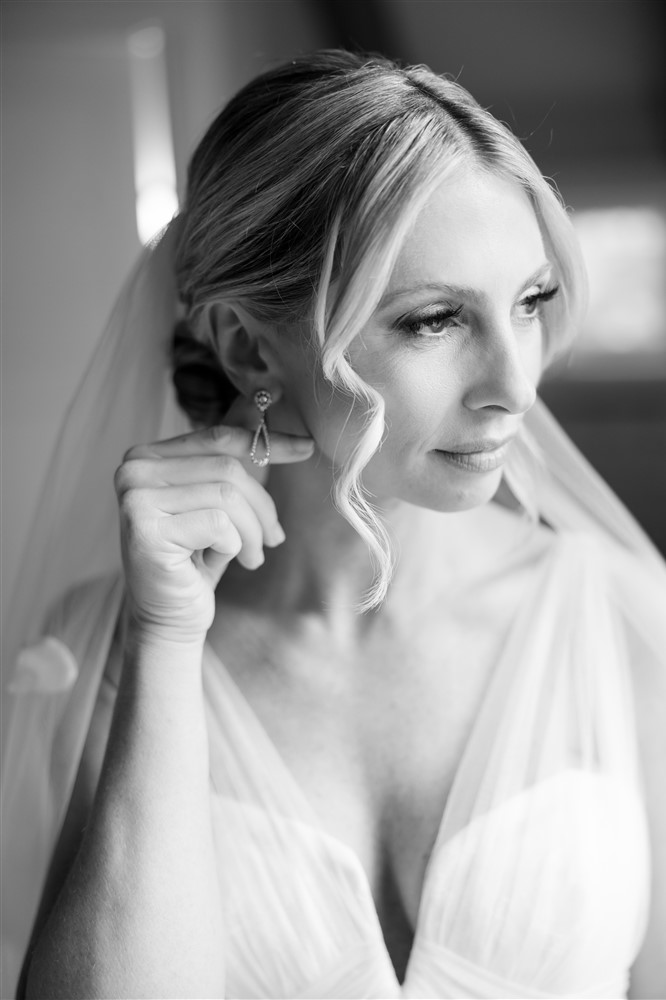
481 444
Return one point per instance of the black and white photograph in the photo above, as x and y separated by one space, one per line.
333 347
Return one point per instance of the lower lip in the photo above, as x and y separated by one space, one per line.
476 461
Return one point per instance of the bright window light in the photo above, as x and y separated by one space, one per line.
625 253
155 206
154 166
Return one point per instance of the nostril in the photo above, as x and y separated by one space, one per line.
512 391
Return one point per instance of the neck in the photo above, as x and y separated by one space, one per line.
324 568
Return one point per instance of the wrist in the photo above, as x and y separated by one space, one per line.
144 639
168 671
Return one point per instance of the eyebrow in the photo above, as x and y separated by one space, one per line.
464 291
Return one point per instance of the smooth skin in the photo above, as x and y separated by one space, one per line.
370 721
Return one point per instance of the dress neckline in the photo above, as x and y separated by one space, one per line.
307 813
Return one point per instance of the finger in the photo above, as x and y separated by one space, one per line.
173 500
214 562
143 473
198 530
224 440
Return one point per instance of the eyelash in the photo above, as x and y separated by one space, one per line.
539 298
412 326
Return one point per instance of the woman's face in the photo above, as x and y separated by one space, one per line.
454 348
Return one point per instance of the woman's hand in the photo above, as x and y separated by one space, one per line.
187 508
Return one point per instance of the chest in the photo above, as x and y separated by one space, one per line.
373 735
519 884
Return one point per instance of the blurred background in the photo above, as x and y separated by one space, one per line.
104 100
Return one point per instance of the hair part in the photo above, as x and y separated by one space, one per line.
298 201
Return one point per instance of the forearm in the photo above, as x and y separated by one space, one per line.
140 912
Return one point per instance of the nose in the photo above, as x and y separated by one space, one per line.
500 372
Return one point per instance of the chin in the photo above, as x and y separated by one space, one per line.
461 492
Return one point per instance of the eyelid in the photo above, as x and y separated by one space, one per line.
542 278
432 312
532 292
422 317
432 309
544 294
547 288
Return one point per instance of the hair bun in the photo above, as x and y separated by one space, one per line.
203 390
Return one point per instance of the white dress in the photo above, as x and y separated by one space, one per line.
538 882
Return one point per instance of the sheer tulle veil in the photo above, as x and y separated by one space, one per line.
126 398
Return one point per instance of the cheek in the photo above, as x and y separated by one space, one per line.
413 394
312 406
533 358
333 418
420 391
420 388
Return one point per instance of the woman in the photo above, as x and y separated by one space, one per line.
372 732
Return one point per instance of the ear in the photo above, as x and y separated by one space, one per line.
244 347
249 353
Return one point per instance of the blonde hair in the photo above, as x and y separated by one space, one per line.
299 198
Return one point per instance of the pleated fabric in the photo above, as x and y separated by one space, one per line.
537 885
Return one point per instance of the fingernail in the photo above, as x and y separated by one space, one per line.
303 444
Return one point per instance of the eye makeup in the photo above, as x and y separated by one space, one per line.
436 318
536 299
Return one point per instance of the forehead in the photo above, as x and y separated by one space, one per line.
474 229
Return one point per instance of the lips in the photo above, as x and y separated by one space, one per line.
482 444
483 455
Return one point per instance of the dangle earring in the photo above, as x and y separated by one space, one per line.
262 400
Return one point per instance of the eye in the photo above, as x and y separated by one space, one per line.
530 305
430 323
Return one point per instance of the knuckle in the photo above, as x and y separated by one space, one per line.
118 480
229 467
121 480
228 494
136 451
137 525
132 504
220 521
129 475
220 435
